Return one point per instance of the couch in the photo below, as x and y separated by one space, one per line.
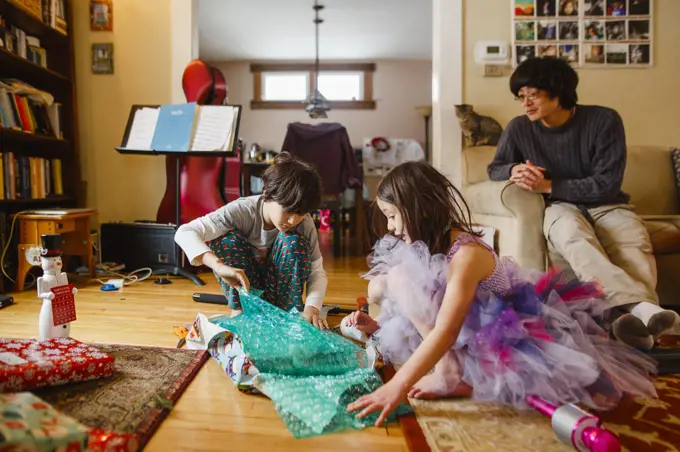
517 215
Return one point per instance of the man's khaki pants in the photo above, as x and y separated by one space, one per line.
614 250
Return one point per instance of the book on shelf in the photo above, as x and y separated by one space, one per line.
25 109
54 15
24 177
184 128
15 40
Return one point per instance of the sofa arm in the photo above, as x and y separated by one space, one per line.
518 216
672 219
503 199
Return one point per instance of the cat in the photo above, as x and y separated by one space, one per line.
477 130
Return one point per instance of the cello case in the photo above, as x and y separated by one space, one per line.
202 179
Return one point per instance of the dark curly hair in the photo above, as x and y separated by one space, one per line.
429 204
293 184
550 74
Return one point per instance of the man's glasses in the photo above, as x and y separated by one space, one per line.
531 96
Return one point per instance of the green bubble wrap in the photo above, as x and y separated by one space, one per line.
311 375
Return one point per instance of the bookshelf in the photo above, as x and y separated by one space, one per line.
36 49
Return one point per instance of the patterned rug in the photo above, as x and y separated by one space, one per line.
139 395
461 425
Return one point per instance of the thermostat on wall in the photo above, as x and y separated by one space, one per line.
491 52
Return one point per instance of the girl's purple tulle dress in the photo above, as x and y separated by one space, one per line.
526 333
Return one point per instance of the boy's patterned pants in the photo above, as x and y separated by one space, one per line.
282 275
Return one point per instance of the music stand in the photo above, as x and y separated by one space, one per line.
176 268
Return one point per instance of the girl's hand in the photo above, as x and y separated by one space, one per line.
386 398
313 316
234 277
363 322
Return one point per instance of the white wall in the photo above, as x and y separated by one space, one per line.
398 87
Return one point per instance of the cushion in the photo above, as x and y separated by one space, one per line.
665 237
650 195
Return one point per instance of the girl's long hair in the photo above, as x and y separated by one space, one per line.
430 206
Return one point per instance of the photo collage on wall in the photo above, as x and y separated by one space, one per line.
589 33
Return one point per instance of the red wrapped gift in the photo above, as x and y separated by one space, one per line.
26 363
103 441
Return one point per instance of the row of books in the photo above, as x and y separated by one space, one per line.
23 177
28 112
184 127
54 15
15 40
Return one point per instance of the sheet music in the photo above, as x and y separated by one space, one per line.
215 124
143 128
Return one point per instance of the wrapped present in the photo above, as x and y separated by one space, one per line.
103 441
29 423
26 364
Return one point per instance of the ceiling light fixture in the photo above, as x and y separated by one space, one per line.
316 103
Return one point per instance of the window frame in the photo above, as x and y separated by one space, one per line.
366 103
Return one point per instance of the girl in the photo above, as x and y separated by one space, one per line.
268 240
488 327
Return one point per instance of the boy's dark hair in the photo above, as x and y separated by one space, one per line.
550 74
293 184
429 204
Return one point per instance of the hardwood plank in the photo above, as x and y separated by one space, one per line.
211 412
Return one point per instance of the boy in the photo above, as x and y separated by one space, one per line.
267 241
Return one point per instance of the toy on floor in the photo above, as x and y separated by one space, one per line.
377 289
58 308
577 427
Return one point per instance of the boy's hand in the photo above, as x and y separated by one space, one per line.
363 322
313 316
234 277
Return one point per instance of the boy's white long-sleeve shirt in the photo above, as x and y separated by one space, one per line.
245 216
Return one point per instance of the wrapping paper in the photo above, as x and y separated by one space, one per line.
311 375
26 364
27 423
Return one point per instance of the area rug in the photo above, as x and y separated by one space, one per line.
137 397
461 425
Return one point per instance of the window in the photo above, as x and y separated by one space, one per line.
341 86
286 86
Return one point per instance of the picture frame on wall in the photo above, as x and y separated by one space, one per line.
101 15
102 58
585 33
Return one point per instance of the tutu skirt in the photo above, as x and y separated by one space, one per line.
526 333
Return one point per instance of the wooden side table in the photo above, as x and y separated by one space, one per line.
76 238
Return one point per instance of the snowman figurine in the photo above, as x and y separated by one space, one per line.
50 261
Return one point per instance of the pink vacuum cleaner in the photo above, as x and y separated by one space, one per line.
577 427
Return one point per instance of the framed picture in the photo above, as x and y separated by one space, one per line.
585 33
101 15
102 58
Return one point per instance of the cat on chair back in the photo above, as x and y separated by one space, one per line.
477 130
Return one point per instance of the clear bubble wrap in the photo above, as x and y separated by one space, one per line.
311 375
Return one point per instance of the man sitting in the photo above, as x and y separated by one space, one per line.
575 155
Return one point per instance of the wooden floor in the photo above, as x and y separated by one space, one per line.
211 415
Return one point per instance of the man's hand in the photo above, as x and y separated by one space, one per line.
234 277
313 316
530 177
